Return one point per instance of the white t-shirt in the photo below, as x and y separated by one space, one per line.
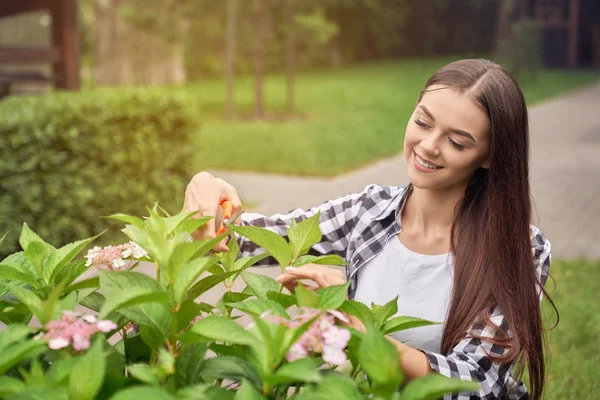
423 284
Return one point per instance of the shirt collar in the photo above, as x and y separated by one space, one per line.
396 204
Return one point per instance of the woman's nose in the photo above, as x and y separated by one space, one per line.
431 143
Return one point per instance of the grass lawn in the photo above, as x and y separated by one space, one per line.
346 118
573 359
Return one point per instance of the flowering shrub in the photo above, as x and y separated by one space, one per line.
125 335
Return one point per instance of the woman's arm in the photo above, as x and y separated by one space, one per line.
414 362
336 222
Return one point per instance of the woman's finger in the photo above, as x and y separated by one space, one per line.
321 275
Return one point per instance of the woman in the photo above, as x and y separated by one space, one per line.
455 245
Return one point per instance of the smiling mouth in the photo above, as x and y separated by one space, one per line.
424 163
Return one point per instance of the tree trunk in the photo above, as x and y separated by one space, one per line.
230 55
506 9
290 69
127 55
259 56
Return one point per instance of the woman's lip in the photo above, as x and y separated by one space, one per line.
426 160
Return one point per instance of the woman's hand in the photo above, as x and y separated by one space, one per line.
322 275
203 195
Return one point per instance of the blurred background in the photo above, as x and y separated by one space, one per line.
109 106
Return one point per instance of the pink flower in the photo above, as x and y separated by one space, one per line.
106 325
113 256
296 352
71 329
334 355
336 337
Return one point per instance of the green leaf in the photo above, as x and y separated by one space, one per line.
359 310
59 371
57 260
304 235
221 329
260 284
228 258
384 312
207 244
14 273
186 313
135 349
129 219
175 222
155 244
333 386
166 361
433 386
142 392
332 297
49 305
259 306
10 386
143 373
28 298
302 370
91 283
93 301
285 300
36 249
401 323
189 363
381 361
190 225
331 259
14 354
2 238
274 244
226 367
247 262
247 392
205 284
71 271
125 288
189 273
152 337
306 297
205 392
88 374
13 334
181 254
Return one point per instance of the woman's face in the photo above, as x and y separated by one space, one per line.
447 140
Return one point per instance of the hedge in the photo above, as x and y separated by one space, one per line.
70 158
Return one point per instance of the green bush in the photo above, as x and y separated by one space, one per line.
68 158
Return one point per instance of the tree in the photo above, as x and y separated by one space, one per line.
230 56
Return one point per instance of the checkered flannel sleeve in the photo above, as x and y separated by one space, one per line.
469 358
337 219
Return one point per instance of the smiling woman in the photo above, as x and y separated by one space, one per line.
454 246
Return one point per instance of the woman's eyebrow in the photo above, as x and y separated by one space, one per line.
457 131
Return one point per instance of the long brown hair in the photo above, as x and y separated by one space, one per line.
490 238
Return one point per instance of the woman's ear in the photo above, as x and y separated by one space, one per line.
485 164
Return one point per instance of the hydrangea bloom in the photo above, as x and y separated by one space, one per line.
70 329
114 256
322 337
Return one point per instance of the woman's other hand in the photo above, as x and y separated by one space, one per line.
203 194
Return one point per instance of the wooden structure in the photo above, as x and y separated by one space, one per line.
63 54
570 30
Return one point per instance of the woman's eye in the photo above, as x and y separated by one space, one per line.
421 123
458 146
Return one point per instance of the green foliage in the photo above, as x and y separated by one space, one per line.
166 354
69 158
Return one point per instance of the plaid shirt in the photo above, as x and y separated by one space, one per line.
357 227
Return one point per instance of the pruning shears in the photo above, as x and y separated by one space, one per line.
224 215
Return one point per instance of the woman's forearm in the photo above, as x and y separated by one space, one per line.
414 362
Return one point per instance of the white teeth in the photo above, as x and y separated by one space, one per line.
426 165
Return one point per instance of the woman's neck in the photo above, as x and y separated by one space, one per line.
429 212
